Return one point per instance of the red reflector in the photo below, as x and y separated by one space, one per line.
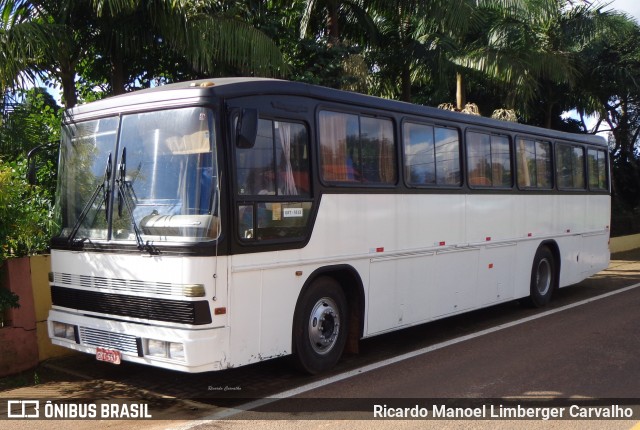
442 243
220 311
490 265
488 238
381 249
529 234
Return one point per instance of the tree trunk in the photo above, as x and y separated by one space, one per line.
405 83
332 24
461 97
117 71
68 80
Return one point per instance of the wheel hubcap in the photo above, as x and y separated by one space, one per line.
324 325
543 277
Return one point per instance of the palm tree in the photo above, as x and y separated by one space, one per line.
338 32
414 39
22 36
121 30
531 49
343 21
208 35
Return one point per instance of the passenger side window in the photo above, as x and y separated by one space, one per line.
356 149
570 166
597 169
273 183
489 158
278 163
534 163
432 155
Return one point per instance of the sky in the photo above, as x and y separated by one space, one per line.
631 7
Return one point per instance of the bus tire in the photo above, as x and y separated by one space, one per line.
543 277
320 326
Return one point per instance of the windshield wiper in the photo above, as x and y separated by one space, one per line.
104 187
125 194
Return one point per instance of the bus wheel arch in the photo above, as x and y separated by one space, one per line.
545 274
342 287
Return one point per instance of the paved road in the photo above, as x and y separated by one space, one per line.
587 351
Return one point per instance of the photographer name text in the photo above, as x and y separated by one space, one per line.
504 412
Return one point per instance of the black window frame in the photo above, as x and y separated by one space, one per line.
606 170
255 200
357 184
557 166
491 134
552 172
403 160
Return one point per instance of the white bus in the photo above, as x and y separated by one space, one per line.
212 224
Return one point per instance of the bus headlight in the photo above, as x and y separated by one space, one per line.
164 349
176 351
156 348
64 331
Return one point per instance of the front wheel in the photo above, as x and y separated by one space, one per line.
319 326
543 277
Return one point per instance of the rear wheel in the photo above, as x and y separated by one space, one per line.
319 326
543 277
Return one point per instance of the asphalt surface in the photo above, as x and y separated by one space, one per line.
588 351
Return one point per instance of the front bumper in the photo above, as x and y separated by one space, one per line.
204 349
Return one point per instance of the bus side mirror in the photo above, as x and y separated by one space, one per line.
32 167
33 164
247 128
31 172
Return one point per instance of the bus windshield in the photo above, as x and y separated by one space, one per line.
145 177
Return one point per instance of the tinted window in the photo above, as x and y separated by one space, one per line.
356 149
432 155
489 160
534 163
278 163
597 169
273 182
570 166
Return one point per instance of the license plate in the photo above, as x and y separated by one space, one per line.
108 355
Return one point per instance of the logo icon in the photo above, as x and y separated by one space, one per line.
23 409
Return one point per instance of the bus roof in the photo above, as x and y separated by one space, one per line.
189 92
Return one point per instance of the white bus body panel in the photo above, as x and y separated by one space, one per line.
420 257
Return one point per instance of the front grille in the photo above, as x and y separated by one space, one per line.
124 285
178 311
107 339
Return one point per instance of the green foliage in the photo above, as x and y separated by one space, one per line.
8 300
25 213
35 119
121 41
317 63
